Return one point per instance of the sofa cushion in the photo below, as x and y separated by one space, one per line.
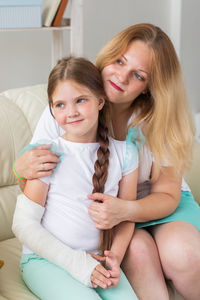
11 283
3 298
8 197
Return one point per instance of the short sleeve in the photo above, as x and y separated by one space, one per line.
134 141
46 179
47 127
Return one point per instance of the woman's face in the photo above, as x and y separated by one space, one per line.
128 76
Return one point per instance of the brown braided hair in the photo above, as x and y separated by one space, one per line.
100 176
85 73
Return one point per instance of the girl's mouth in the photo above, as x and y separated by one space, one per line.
74 122
115 86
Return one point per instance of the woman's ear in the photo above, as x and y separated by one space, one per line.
145 92
101 103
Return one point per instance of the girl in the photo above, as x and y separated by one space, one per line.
143 82
77 102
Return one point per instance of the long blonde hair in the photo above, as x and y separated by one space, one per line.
163 112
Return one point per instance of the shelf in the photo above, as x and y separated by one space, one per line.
60 28
75 28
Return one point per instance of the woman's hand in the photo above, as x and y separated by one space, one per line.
36 163
100 276
107 211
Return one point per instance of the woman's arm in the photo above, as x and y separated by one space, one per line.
161 202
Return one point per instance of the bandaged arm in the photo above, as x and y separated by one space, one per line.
28 229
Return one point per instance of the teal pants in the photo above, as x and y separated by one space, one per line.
50 282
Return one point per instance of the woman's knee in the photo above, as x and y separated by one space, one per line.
141 248
178 245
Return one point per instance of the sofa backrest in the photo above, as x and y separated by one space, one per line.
20 110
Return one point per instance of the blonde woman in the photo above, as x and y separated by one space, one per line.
143 82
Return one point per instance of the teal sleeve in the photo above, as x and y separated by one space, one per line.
54 147
134 142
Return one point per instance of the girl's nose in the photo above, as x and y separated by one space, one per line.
72 111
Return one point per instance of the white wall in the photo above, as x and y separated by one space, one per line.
105 18
190 50
25 57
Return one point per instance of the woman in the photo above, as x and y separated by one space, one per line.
143 82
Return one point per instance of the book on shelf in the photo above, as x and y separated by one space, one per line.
59 14
49 11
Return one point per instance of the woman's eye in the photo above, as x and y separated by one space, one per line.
81 100
119 61
138 76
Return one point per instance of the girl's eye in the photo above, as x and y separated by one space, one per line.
81 100
60 105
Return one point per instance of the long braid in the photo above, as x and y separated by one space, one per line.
100 176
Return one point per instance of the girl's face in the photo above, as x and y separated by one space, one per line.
76 109
128 77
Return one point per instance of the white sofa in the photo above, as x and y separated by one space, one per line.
20 110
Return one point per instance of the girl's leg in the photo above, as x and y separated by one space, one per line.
121 291
178 244
142 267
50 282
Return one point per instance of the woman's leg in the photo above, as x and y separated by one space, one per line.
178 244
142 267
50 282
121 291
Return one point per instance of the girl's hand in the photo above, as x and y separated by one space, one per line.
100 276
113 266
107 213
36 163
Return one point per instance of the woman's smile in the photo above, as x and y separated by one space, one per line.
115 86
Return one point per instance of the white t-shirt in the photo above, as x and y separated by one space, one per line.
48 128
66 211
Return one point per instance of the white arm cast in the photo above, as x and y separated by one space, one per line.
28 229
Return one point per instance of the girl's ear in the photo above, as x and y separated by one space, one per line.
101 103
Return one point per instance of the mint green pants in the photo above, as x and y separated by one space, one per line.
50 282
